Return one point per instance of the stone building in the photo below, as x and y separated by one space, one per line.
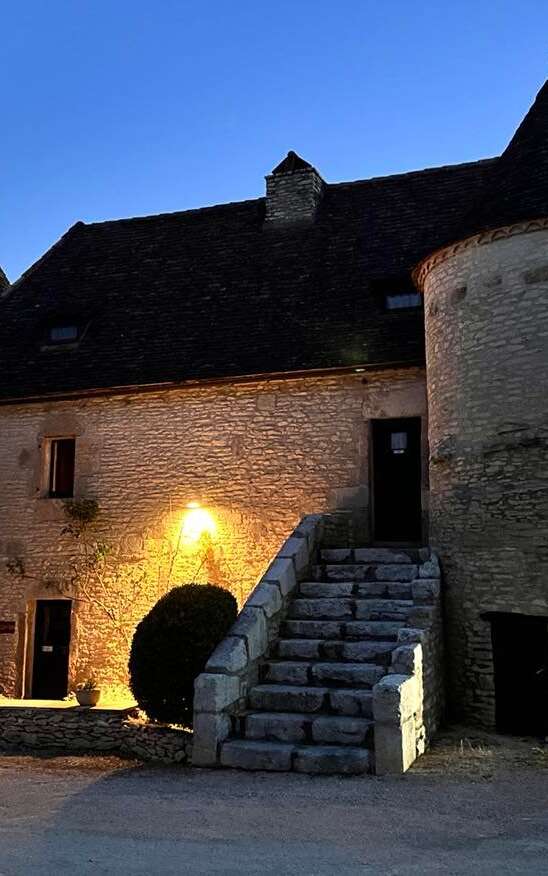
208 377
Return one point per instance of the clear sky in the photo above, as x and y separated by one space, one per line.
116 108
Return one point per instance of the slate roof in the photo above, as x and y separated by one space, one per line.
519 187
214 293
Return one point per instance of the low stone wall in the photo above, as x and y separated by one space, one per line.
78 729
156 743
232 669
408 702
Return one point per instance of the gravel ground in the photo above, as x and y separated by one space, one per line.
475 804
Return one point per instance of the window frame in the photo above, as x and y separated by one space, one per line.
407 294
51 462
60 326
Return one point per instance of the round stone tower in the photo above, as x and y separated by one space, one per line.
486 319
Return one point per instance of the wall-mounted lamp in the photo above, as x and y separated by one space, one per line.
196 523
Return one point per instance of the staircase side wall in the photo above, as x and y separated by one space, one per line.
408 703
221 691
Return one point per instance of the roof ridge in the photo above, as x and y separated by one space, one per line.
43 258
191 210
330 185
420 171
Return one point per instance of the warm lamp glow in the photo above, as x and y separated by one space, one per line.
197 522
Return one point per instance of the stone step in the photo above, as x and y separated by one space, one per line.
251 754
349 609
347 674
312 700
292 727
374 629
317 629
309 609
353 589
366 572
248 754
308 629
292 672
351 701
333 760
368 650
326 589
384 610
288 698
367 555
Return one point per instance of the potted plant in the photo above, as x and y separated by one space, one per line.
88 693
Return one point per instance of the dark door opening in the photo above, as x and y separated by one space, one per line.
520 657
396 480
51 649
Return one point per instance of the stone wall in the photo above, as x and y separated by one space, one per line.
75 729
486 313
257 455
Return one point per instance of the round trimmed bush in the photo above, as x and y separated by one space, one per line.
171 646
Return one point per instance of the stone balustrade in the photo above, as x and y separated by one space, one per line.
408 702
221 691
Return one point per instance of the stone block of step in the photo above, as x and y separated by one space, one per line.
332 760
345 572
310 609
326 590
285 672
279 726
369 652
337 555
430 569
399 589
331 649
426 590
287 698
347 674
306 629
351 702
372 629
380 555
341 730
383 609
299 649
246 754
396 572
372 589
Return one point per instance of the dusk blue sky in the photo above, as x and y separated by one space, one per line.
114 109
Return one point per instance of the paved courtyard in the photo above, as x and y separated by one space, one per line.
474 805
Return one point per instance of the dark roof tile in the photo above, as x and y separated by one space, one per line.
212 293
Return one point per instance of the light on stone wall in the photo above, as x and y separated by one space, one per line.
196 523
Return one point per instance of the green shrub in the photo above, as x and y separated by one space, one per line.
171 646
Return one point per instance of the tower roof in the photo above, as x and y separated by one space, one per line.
519 186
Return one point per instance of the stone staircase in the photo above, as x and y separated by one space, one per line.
311 711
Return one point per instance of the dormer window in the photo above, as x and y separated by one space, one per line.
63 334
402 300
62 331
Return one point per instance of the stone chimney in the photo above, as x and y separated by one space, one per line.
293 192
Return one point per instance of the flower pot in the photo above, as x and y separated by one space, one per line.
88 697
